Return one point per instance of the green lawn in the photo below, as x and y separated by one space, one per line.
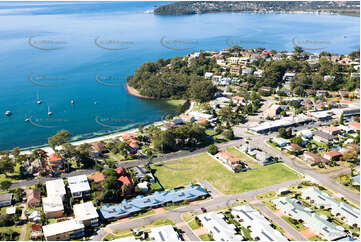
203 167
205 237
297 226
194 225
174 102
236 153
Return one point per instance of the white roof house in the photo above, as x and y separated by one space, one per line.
62 227
164 233
85 211
306 133
55 188
220 229
318 198
78 184
260 227
208 75
199 115
11 210
52 204
312 220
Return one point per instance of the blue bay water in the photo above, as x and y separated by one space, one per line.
71 70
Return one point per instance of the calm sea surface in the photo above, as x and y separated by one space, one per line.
83 52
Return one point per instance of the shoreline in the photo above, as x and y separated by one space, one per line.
48 149
133 92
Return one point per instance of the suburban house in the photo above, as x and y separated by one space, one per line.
126 184
220 230
280 142
232 163
6 199
332 155
53 206
131 139
331 130
79 186
99 148
266 89
312 220
313 159
354 125
10 211
322 136
33 197
35 217
55 188
97 177
186 118
66 230
86 213
140 173
347 213
238 99
55 162
294 148
164 233
121 171
259 226
274 110
306 134
208 75
258 73
235 70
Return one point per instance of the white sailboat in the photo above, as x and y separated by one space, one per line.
49 112
38 101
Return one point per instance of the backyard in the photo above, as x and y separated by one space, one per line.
202 167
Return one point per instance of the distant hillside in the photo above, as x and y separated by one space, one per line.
198 7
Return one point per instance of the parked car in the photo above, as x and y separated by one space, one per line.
203 210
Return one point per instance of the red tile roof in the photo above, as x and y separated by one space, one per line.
128 136
53 157
354 125
333 153
120 170
99 146
98 177
125 180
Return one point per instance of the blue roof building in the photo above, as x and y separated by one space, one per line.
139 203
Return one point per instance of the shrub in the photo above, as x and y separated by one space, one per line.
212 149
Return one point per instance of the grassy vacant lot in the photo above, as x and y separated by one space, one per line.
251 163
203 167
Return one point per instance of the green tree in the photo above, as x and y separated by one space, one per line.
212 149
59 138
228 134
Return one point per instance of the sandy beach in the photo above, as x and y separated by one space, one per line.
48 149
132 91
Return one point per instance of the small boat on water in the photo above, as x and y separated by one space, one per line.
38 100
95 102
8 113
72 101
49 112
27 120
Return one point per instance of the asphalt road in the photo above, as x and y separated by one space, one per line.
259 141
175 214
